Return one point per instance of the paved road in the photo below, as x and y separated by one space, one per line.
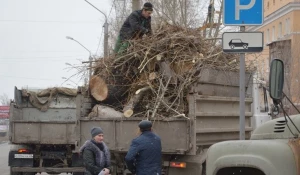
4 169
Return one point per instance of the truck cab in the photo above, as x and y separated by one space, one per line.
273 147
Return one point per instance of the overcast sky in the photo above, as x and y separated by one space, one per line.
33 45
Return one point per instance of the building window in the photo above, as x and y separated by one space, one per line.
280 30
273 33
273 2
287 26
268 36
268 5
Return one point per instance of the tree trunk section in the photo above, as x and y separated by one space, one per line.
98 88
100 111
134 100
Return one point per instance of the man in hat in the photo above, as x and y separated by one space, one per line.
95 153
135 26
144 155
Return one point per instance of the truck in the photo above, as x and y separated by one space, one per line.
46 135
273 147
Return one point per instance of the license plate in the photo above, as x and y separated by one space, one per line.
23 156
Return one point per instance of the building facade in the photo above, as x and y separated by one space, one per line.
281 30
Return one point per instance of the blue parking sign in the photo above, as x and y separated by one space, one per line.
243 12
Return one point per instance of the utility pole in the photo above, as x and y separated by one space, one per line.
136 5
105 31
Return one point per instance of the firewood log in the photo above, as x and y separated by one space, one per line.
134 100
98 88
100 111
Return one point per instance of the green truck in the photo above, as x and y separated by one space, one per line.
274 147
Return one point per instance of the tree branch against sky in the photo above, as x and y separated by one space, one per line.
4 100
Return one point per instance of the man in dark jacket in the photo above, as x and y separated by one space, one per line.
144 155
135 26
96 155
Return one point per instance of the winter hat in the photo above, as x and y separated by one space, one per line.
148 6
95 131
145 125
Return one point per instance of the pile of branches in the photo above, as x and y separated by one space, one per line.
153 77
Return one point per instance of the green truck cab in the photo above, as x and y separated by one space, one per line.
273 148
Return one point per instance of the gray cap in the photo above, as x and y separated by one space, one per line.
95 131
145 125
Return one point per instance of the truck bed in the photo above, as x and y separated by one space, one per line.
213 117
57 125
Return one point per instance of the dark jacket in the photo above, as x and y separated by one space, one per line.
96 156
135 24
144 155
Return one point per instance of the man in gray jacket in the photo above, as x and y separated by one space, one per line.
96 155
135 26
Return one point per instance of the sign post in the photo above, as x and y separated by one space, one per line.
242 92
242 13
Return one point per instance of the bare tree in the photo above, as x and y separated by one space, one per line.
4 100
184 13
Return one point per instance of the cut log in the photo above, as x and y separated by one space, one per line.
100 111
98 88
134 100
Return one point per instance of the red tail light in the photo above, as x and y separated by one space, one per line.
178 164
23 151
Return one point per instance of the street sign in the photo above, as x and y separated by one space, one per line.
242 42
243 12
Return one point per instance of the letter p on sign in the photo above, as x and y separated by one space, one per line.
239 7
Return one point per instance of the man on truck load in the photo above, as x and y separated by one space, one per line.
96 155
135 26
144 154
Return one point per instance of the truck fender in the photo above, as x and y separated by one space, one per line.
245 161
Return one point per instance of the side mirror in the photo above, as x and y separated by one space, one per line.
276 79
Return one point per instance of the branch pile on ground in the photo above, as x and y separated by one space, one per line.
154 75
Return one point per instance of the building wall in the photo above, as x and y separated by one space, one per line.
295 83
282 23
271 6
278 29
295 23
